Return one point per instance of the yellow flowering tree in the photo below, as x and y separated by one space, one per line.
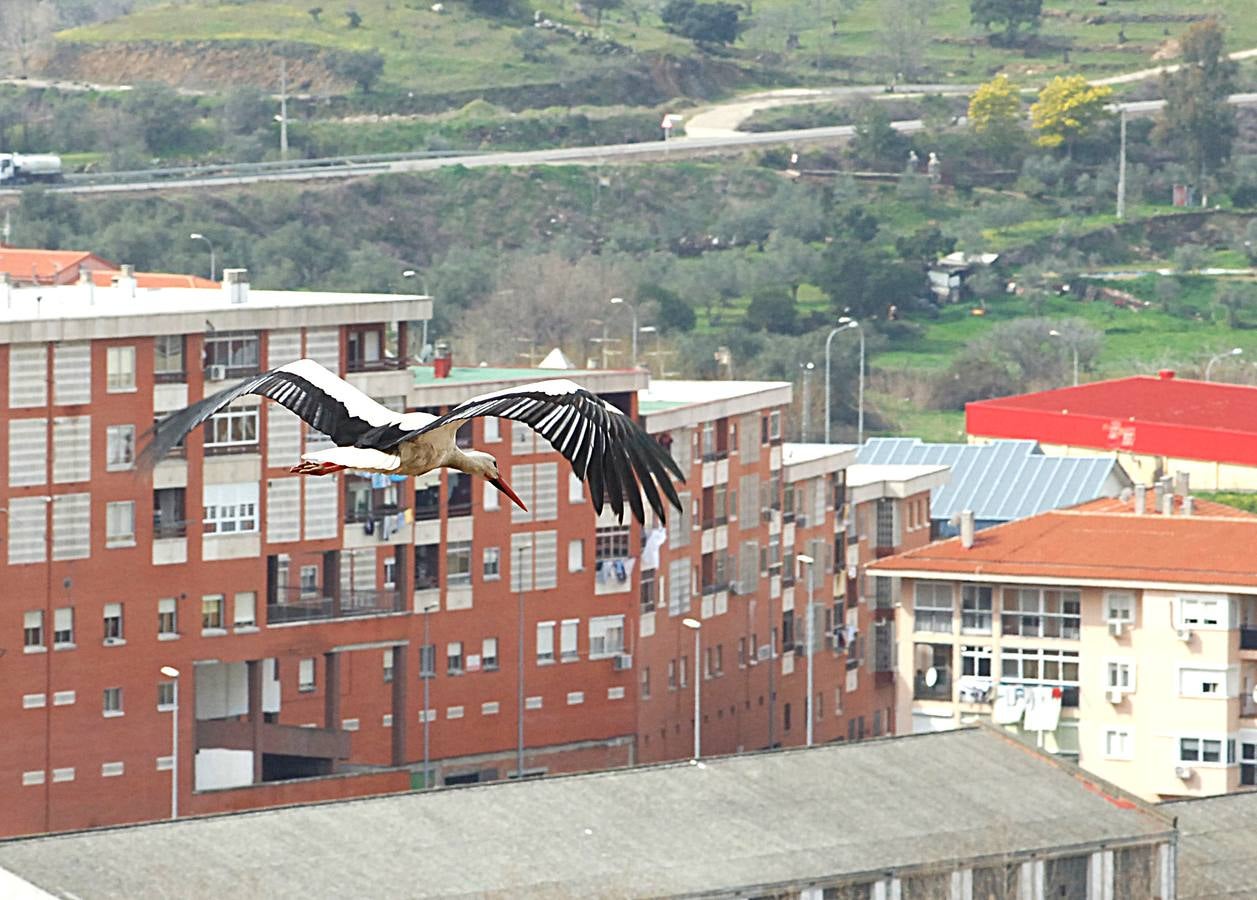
995 111
1067 107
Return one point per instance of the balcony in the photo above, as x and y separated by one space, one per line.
939 690
1248 637
165 529
283 740
294 606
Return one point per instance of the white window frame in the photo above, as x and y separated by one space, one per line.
1119 606
220 600
1225 747
117 514
1193 611
167 606
1040 613
545 643
112 703
244 611
977 612
460 551
576 555
491 564
569 640
978 653
575 489
927 598
1119 674
306 674
603 632
492 429
119 448
120 370
231 429
1200 676
63 624
114 623
1040 656
1126 747
489 660
455 662
230 508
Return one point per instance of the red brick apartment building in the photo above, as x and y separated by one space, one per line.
332 634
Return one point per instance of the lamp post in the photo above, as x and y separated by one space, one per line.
852 323
197 236
651 329
411 273
519 671
172 672
811 583
619 301
696 626
427 673
1074 347
806 424
1234 351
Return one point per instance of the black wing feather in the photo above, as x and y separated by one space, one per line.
608 450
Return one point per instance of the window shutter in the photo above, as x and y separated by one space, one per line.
545 562
283 510
28 376
26 530
679 534
546 492
283 436
357 570
282 347
748 500
72 374
522 482
71 526
71 449
748 438
321 519
323 346
28 452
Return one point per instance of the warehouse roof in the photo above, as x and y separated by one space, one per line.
1215 850
1002 480
1160 415
774 818
1101 542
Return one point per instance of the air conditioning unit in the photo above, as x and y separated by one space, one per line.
216 373
1115 627
1183 772
622 662
765 651
1184 634
1115 696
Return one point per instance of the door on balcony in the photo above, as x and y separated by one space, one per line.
169 513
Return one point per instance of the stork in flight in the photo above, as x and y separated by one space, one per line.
605 447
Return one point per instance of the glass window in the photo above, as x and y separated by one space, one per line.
975 609
113 701
1032 612
545 642
167 616
33 629
305 674
212 611
230 508
120 523
492 563
120 369
232 431
1119 606
1206 611
168 357
568 634
244 614
63 627
458 564
236 352
113 621
932 608
454 657
119 448
489 653
975 661
606 636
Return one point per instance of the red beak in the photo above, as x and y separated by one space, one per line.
505 488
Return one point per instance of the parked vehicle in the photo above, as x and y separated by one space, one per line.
25 168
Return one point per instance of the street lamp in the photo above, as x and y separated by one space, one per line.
805 428
1234 351
519 672
427 671
197 236
619 301
411 273
811 580
852 323
696 626
651 329
1074 347
172 672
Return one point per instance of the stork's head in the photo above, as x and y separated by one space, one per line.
484 465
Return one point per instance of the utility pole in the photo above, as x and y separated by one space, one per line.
519 671
283 110
1121 168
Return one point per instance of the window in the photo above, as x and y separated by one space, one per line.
389 659
113 701
305 674
933 607
1119 743
427 661
575 489
492 563
33 630
454 658
975 661
119 448
120 369
1198 682
975 609
1207 612
576 555
113 622
165 695
63 627
390 572
1029 665
1119 606
489 654
120 524
1120 675
611 542
683 670
606 636
231 508
680 586
1248 763
244 612
741 653
168 357
1032 612
236 352
169 518
427 567
567 640
212 612
545 642
492 429
458 564
649 593
645 683
672 674
932 671
167 617
232 431
1205 750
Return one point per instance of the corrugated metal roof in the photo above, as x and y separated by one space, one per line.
783 817
1215 850
1002 480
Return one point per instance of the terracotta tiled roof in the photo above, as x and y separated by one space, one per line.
104 278
48 266
1097 542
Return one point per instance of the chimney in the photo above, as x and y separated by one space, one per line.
442 362
126 279
236 285
1167 503
1158 491
1182 483
966 528
1189 505
1165 374
1141 499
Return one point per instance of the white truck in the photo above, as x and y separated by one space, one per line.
24 168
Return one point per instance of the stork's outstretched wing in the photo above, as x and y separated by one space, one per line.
325 401
605 447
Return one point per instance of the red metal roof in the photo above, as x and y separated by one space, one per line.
1092 542
1154 415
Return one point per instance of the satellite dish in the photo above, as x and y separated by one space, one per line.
931 676
1254 693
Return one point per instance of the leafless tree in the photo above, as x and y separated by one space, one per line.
23 25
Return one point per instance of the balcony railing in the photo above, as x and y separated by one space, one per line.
293 607
162 530
1248 637
939 690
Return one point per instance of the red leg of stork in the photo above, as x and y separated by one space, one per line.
306 467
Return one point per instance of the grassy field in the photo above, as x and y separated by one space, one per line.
430 52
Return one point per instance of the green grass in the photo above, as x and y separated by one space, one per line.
907 420
430 53
1246 502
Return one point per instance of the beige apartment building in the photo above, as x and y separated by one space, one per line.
1106 632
